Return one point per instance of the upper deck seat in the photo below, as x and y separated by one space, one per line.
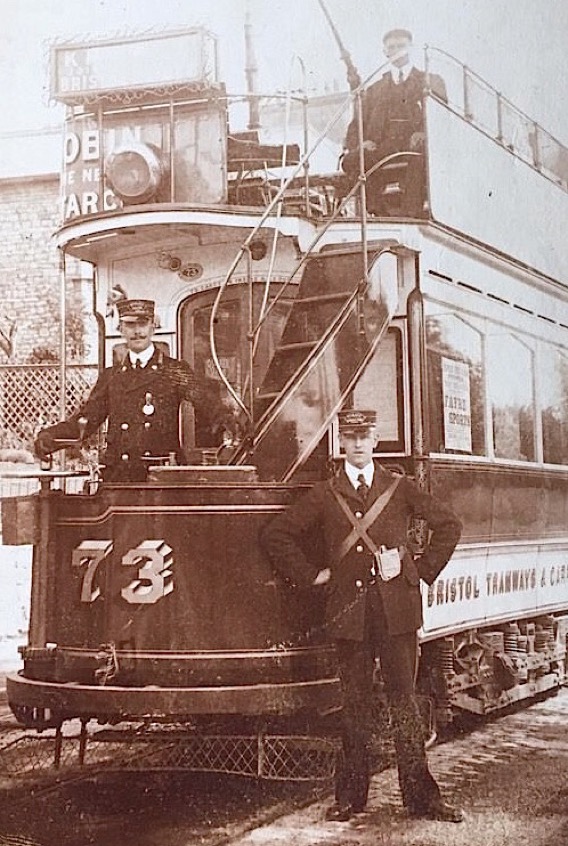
248 161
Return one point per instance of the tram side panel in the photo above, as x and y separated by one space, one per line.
513 556
496 619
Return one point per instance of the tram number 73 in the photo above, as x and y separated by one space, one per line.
154 577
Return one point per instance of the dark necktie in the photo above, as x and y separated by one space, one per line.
137 364
362 487
400 77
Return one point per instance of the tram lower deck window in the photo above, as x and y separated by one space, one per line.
553 383
511 392
381 388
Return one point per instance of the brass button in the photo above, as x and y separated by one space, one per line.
125 456
147 424
359 548
124 426
358 514
359 583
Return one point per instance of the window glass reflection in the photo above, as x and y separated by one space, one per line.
232 348
381 388
511 391
553 380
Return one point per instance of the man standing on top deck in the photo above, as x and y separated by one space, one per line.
393 122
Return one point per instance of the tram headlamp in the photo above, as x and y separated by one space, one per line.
134 172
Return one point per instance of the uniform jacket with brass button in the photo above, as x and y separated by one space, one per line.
284 539
142 407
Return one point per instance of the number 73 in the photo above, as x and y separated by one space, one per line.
154 579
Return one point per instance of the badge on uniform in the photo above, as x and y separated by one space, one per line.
388 563
148 408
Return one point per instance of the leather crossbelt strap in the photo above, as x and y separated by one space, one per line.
360 525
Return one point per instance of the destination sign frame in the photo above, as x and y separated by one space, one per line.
90 71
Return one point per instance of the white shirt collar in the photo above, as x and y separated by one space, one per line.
144 356
353 473
406 71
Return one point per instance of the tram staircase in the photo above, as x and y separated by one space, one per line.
337 319
345 300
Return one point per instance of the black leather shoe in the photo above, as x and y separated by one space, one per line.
438 810
339 813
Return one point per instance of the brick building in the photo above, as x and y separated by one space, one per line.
31 286
29 266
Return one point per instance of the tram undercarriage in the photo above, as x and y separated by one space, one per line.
280 731
482 671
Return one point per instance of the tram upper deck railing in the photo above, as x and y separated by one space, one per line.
481 105
180 150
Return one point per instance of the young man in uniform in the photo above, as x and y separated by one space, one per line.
141 397
373 604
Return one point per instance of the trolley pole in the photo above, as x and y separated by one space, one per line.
251 71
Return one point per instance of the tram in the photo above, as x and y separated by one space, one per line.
153 604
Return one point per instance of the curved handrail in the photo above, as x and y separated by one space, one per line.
337 213
263 306
272 205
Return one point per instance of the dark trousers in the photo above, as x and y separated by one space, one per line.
398 656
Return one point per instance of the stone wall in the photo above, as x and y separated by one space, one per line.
29 267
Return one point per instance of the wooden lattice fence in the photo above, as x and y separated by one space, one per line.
30 399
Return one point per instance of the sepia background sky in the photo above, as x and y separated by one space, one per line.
519 46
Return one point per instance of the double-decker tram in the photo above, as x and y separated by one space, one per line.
153 603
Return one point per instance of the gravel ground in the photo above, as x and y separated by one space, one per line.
510 776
